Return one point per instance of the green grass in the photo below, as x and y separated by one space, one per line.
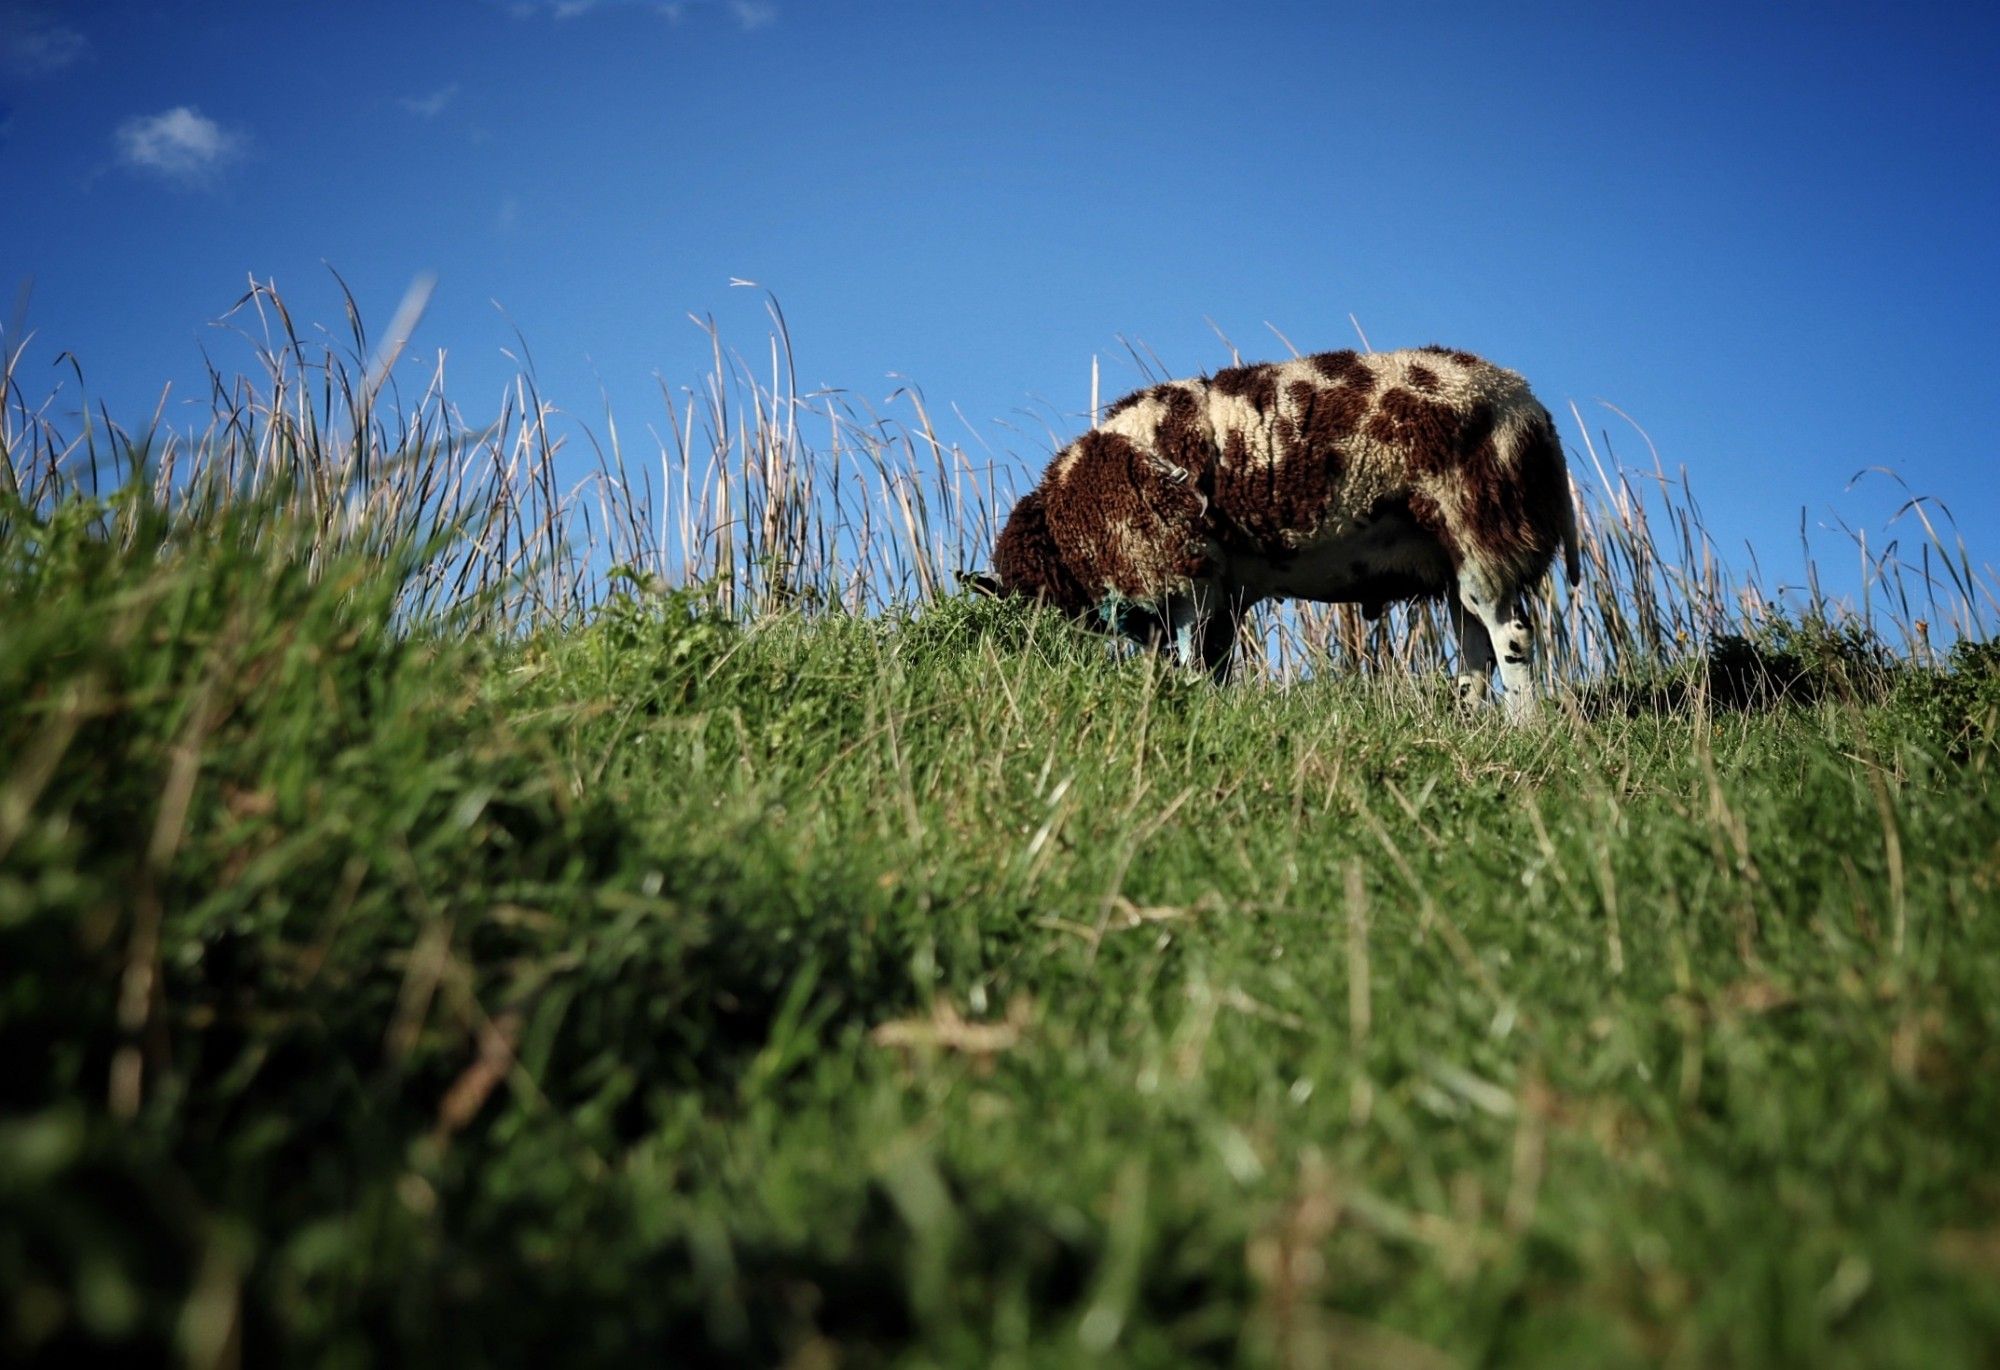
935 988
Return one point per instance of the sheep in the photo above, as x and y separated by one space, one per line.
1340 477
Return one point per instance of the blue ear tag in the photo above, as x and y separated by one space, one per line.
1184 644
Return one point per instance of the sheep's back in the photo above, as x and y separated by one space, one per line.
1273 457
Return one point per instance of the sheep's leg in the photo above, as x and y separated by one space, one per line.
1178 636
1512 637
1198 628
1475 656
1174 627
1224 614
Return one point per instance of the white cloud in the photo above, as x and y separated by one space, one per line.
555 9
31 46
748 14
182 144
432 105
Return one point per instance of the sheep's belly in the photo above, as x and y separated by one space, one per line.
1389 559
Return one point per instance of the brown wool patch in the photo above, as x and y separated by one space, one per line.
1283 503
1428 432
1235 456
1337 416
1452 354
1181 437
1257 384
1543 475
1515 511
1423 378
1028 563
1344 367
1490 509
1275 505
1243 495
1327 418
1478 426
1121 523
1479 467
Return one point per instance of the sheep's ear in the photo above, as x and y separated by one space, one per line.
981 583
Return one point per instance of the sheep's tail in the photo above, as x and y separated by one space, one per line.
1543 470
1543 434
1572 551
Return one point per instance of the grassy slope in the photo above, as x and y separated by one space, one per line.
942 989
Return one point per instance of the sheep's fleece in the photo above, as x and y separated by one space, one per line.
1340 477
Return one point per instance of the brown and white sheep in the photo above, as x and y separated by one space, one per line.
1341 477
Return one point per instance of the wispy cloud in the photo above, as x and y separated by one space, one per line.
747 14
182 145
432 105
31 45
558 9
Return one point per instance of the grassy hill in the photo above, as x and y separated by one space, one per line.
934 986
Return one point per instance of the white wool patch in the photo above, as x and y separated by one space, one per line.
1235 414
1138 421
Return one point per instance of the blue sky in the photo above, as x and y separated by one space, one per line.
1764 232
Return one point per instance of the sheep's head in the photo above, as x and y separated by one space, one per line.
1110 615
1026 561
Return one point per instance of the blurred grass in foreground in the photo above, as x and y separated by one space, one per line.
402 962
